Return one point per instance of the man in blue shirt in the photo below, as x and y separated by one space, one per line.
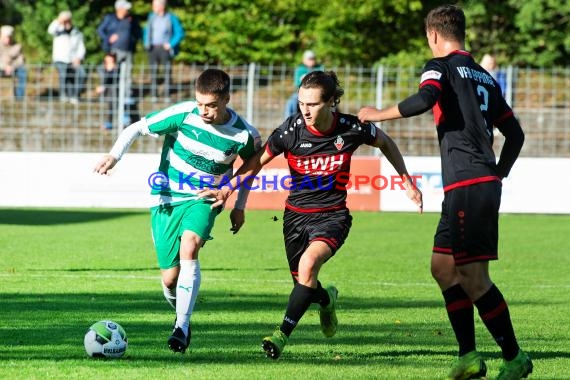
162 36
308 64
119 33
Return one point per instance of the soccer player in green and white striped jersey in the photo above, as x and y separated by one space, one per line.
202 139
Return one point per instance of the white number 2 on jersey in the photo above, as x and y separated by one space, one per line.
484 106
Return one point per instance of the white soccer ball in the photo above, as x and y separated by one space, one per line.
105 339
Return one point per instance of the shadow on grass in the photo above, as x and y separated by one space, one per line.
45 326
51 327
91 270
46 217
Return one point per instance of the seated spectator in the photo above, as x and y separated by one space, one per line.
12 61
68 53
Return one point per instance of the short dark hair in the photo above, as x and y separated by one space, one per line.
447 20
327 82
112 55
213 82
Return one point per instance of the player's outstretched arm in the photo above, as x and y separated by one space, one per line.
374 114
237 215
242 177
122 144
392 153
413 105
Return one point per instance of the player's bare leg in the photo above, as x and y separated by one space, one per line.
311 262
474 278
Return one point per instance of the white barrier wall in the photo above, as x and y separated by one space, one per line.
535 185
68 180
429 171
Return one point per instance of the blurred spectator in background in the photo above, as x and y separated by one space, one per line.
109 74
12 60
119 33
490 64
308 64
68 53
161 39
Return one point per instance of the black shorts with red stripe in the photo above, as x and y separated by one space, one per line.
302 228
469 225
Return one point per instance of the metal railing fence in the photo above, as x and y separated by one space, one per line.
45 120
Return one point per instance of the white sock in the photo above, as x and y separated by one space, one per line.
187 292
169 294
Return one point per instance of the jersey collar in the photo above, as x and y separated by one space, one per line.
328 132
462 52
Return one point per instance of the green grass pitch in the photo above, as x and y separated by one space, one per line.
62 270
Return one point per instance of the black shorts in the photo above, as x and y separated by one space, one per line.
469 225
301 229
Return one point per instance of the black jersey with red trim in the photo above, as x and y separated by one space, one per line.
319 163
470 103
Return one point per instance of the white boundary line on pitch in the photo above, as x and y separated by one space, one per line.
224 279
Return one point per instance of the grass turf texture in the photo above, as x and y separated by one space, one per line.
62 270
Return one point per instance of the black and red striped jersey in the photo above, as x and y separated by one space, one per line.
470 103
319 163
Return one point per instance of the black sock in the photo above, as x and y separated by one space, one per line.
321 296
460 312
494 312
299 301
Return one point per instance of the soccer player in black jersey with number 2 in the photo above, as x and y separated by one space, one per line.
467 103
318 144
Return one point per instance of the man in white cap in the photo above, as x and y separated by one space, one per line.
12 60
120 31
68 52
308 64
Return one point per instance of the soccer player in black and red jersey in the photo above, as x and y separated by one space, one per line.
318 144
467 103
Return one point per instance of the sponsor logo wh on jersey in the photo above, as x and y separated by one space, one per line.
319 164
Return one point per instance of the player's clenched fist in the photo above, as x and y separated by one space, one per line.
106 164
368 114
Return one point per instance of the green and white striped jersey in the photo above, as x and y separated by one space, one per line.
197 155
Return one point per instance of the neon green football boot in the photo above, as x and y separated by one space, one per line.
327 314
273 345
518 368
468 366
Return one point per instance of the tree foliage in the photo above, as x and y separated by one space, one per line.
491 29
342 32
361 31
234 31
544 27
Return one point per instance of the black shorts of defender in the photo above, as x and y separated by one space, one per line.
301 229
469 225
